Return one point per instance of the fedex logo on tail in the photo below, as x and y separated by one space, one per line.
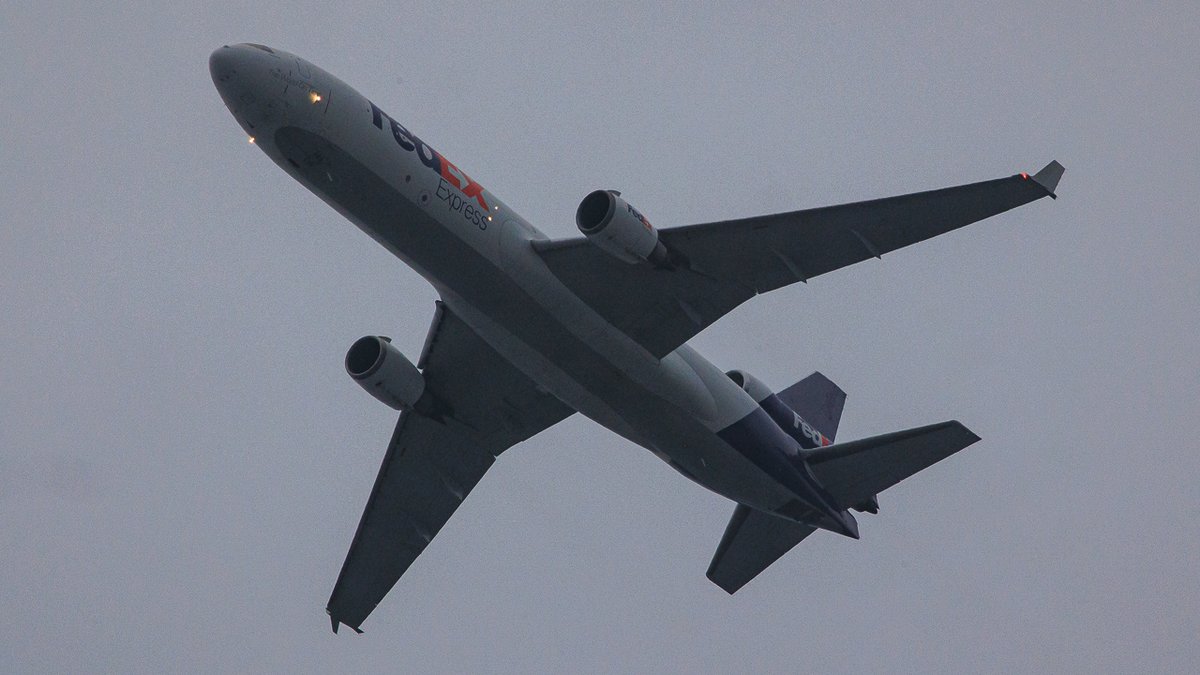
809 432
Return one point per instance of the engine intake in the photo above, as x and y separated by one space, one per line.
620 230
751 385
383 371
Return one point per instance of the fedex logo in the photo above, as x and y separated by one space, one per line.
808 431
637 214
430 157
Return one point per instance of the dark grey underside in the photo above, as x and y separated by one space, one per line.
851 473
399 225
433 462
408 232
753 540
377 208
729 262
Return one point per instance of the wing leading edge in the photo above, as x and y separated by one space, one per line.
430 466
729 262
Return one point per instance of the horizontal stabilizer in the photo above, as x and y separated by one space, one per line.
854 472
753 540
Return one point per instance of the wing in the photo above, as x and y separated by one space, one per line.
729 262
431 466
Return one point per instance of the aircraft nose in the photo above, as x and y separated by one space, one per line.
229 69
241 74
222 65
239 68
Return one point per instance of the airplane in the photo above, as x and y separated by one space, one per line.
529 330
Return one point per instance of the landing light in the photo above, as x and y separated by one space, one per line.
314 97
251 140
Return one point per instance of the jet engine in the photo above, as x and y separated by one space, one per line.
779 411
750 384
383 371
785 415
608 221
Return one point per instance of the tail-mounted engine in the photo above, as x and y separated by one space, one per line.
788 419
383 371
608 221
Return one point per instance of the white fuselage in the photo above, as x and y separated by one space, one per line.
478 254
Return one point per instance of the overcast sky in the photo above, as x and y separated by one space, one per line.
183 460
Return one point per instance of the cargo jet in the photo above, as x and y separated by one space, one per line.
529 330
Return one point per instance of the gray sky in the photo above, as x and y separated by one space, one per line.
183 460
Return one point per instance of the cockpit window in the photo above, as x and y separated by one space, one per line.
262 47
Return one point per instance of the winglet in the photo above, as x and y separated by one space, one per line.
1048 177
335 621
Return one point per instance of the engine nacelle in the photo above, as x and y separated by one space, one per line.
789 420
751 385
608 221
383 371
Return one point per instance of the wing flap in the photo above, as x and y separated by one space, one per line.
408 506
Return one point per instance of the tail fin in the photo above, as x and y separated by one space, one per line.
818 400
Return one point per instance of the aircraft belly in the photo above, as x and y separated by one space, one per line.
565 320
669 407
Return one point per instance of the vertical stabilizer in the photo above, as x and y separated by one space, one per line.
818 400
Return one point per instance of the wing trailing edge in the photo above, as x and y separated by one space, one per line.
729 262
